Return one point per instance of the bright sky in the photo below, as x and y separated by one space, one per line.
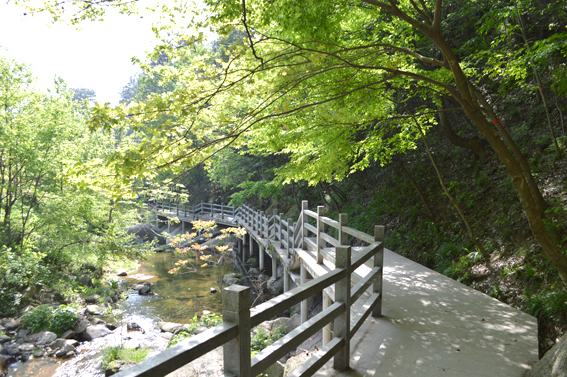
96 57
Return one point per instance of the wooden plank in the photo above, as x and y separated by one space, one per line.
365 254
268 309
310 214
289 342
361 316
183 353
358 234
364 283
310 242
310 228
329 239
330 222
315 362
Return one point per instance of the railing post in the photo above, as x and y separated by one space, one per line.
182 226
286 279
342 322
275 219
328 329
250 247
261 225
289 236
212 211
304 206
281 230
343 237
236 309
304 308
261 261
320 228
177 208
222 210
185 209
244 247
379 231
274 264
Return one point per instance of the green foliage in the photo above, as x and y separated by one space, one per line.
63 319
207 320
112 353
38 319
46 318
549 304
262 338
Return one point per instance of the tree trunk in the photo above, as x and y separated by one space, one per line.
473 143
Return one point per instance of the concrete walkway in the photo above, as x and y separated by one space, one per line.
435 326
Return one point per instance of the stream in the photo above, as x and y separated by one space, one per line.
176 298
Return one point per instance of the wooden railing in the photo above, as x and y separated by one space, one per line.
201 210
239 319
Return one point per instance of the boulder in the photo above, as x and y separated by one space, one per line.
12 325
23 333
94 332
144 288
295 362
121 273
254 272
4 339
38 352
92 299
131 344
69 334
30 292
93 310
26 347
81 326
213 290
290 323
97 321
553 363
72 342
57 343
86 281
47 337
117 366
170 327
146 233
275 370
230 279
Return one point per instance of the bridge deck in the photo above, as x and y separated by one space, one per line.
435 326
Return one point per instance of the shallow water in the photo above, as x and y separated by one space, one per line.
176 298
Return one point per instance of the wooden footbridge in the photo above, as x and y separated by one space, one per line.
429 325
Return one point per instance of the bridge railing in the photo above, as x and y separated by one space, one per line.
202 210
238 320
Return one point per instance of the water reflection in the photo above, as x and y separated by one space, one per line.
176 298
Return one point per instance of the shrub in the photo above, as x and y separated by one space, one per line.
207 320
63 318
38 319
110 354
46 318
263 338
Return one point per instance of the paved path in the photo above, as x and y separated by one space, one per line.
435 326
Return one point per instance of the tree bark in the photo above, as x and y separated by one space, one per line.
473 143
